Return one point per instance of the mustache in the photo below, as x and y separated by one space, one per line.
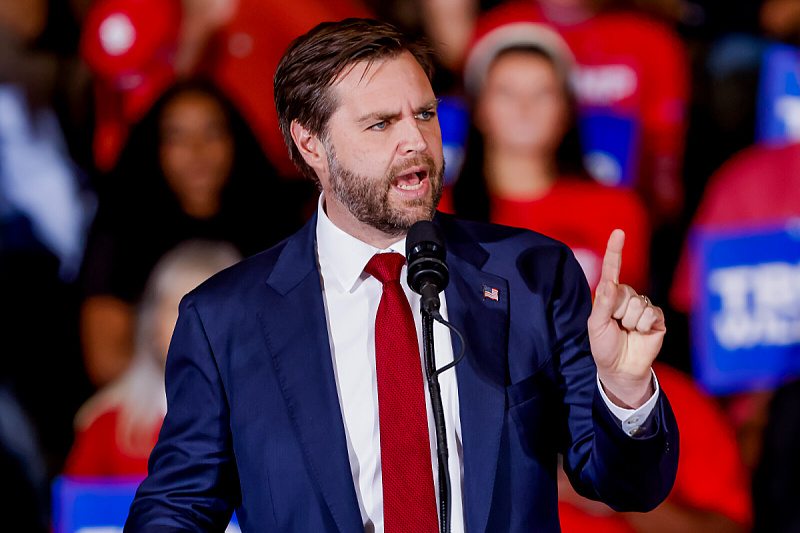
416 161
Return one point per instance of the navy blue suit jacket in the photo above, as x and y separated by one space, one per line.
254 422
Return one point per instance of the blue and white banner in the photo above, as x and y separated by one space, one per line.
454 122
778 101
611 144
745 325
97 504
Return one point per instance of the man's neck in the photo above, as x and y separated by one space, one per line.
345 221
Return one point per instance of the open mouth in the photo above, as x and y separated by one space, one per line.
411 181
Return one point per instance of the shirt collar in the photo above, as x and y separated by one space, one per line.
342 255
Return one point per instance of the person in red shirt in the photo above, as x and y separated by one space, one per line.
116 429
756 186
712 488
523 163
631 85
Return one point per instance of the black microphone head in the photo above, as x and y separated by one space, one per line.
424 231
426 256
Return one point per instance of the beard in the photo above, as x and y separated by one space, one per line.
367 199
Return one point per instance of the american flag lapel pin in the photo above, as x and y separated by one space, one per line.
491 293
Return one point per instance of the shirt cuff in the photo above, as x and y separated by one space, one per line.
632 421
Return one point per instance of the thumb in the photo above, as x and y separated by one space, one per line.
604 301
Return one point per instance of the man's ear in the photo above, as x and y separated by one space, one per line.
310 147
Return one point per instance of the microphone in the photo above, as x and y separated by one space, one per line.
427 270
428 276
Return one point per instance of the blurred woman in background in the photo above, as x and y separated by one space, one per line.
192 169
523 165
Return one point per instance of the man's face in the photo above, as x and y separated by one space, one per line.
384 149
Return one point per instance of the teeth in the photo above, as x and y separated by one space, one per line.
409 187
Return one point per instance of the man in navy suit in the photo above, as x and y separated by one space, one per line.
271 381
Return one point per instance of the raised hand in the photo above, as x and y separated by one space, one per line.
625 331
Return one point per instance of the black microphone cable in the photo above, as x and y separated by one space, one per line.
438 317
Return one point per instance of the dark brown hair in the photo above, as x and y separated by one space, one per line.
313 61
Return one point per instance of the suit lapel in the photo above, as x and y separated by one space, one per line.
297 335
298 344
481 375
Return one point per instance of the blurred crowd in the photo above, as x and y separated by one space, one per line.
140 154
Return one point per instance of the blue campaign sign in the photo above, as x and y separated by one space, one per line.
611 145
778 101
745 325
454 122
96 504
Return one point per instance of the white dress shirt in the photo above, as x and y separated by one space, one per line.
351 299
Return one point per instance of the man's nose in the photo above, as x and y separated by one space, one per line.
412 139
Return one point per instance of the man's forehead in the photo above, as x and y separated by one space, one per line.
364 77
362 72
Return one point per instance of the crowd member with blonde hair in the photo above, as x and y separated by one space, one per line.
117 428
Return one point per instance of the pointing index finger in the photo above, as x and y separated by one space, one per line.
612 261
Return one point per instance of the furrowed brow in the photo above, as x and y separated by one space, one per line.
430 105
378 116
388 116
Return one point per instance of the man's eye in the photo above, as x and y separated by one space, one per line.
380 126
426 115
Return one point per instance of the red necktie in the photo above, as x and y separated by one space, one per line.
409 503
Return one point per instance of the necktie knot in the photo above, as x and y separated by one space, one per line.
385 267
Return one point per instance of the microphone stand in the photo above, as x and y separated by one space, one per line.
428 276
432 375
438 419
